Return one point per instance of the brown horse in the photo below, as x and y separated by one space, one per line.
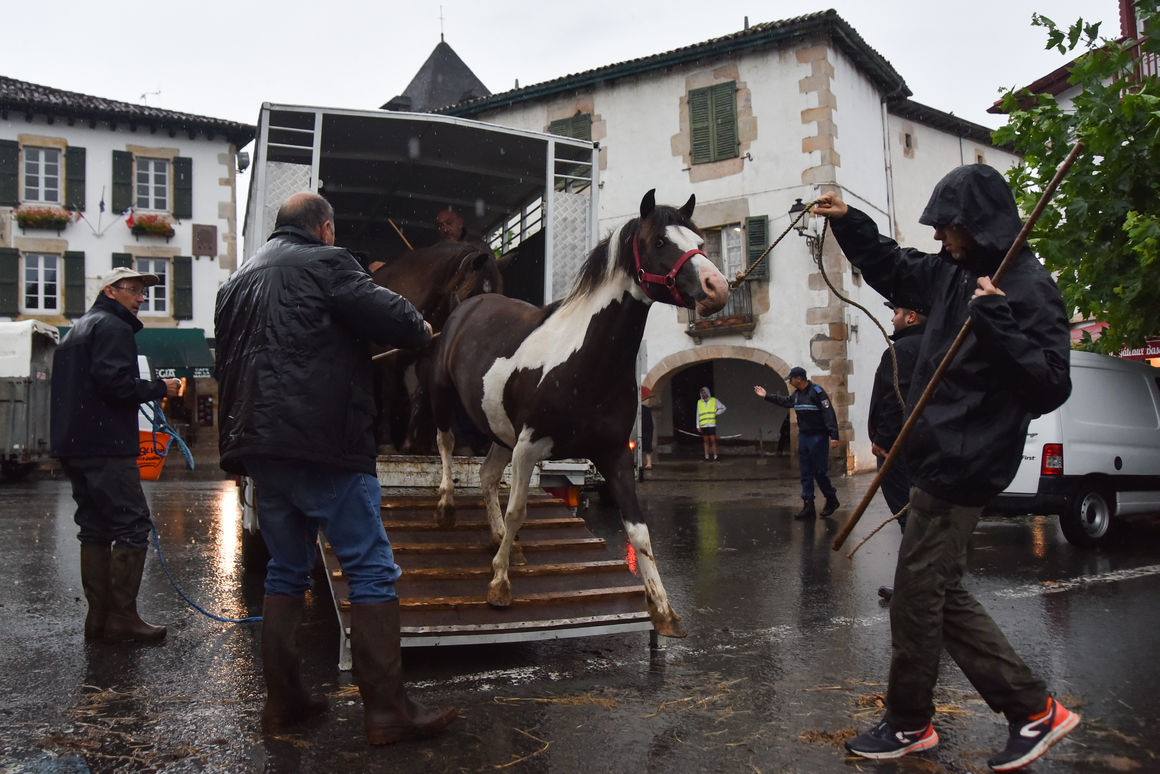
435 280
559 381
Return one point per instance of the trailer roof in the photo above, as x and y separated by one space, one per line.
406 167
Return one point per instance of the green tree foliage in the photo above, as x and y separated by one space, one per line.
1100 235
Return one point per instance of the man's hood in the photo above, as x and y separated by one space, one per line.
976 197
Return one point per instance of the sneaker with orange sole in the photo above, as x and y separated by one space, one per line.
885 741
1029 738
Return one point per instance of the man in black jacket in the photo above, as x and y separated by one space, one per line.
817 423
297 411
886 412
96 393
964 448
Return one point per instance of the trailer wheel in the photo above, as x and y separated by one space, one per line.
16 471
1088 516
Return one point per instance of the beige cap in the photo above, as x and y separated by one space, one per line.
125 273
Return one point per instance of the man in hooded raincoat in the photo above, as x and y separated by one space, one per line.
963 449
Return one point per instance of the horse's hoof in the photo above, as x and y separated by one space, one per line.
445 516
516 556
669 627
499 595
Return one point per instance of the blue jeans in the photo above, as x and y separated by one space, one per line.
111 507
814 458
295 500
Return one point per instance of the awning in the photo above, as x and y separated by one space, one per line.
176 352
173 352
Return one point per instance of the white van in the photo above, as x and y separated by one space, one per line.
1096 457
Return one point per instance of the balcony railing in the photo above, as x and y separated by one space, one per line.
735 317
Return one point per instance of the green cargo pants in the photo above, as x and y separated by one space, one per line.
931 610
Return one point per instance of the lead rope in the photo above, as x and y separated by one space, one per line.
157 419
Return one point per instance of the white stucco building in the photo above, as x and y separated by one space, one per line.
749 123
87 184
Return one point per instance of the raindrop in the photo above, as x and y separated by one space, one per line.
413 148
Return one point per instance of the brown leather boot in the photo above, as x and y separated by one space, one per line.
122 624
288 702
95 581
388 715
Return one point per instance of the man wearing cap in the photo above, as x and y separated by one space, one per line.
816 423
886 412
96 393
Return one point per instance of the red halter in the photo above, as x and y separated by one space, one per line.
668 280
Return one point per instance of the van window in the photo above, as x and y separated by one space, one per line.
1115 399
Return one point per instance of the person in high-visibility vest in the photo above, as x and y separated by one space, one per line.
708 409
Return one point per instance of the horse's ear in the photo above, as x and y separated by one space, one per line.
506 259
648 203
687 210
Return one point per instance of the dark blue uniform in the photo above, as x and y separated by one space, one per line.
817 425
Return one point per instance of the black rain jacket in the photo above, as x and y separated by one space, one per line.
96 385
886 415
293 367
815 413
967 445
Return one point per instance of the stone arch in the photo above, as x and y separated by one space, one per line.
656 378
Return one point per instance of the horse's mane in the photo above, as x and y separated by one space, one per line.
595 269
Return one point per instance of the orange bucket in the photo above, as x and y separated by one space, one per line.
149 462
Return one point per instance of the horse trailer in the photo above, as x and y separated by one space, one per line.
26 350
388 174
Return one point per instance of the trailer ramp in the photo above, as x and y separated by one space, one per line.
569 587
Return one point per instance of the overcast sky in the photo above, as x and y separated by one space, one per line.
223 59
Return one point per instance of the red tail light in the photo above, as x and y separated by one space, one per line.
1052 464
632 445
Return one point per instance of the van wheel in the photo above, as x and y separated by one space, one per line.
1088 517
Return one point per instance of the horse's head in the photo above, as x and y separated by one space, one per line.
669 265
477 272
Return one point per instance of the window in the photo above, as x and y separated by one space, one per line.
42 179
578 127
713 123
723 247
41 282
152 184
156 297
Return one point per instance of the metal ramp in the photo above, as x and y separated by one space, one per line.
570 586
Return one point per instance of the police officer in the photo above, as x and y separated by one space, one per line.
816 422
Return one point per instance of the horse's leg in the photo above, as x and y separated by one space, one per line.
618 474
490 473
445 509
525 455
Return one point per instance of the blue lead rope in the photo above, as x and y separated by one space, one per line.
190 602
157 418
152 412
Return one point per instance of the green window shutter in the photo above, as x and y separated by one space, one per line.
700 127
183 188
74 283
122 259
182 287
9 173
9 281
578 127
756 240
724 99
122 181
74 179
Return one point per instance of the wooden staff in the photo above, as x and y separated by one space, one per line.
1016 247
400 233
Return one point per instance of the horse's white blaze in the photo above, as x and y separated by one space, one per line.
684 238
548 346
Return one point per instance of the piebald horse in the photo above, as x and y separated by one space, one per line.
559 381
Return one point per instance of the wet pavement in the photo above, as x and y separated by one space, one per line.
786 656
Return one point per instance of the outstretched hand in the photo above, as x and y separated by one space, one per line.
759 390
830 205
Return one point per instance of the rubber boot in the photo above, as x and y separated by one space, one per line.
123 624
95 581
831 505
388 715
288 702
807 511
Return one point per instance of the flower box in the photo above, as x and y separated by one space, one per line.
152 225
46 217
